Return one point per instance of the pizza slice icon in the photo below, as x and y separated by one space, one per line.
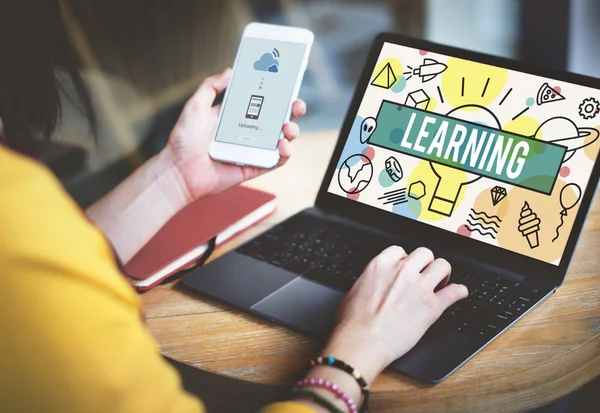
547 94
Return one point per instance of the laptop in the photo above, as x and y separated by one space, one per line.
489 162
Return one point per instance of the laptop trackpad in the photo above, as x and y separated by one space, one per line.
304 305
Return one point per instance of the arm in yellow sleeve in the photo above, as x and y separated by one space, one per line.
72 335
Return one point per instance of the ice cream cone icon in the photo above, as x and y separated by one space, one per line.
529 225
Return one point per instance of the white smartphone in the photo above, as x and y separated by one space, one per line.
267 74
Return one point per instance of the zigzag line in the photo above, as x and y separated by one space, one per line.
486 215
483 220
562 221
358 185
474 224
353 178
482 233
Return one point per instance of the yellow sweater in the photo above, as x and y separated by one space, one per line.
72 336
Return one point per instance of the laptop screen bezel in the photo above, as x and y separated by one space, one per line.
434 237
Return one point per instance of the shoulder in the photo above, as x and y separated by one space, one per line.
41 224
17 169
24 181
75 334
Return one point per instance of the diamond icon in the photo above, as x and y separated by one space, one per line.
498 194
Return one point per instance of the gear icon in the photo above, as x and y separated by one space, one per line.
589 108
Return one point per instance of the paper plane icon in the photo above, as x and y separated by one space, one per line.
385 78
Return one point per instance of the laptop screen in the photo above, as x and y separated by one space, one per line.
500 156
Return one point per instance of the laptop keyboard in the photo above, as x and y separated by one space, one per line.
320 250
493 303
336 255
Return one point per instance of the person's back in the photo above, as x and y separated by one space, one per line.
72 336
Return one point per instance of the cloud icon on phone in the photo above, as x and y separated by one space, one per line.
267 63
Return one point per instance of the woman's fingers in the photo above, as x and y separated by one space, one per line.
451 294
298 109
394 251
381 270
419 259
437 273
291 131
285 150
387 263
210 88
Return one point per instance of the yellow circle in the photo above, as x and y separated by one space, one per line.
523 125
429 106
396 67
473 89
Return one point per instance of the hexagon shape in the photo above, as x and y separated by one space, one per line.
416 190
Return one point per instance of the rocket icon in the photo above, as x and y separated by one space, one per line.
427 71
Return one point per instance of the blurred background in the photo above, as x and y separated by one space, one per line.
143 58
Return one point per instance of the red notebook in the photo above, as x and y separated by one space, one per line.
186 237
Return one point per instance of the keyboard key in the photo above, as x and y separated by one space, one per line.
521 308
319 275
276 262
299 266
502 319
488 330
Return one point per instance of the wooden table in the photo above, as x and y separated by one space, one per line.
550 353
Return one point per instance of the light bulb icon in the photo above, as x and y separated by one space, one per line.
448 188
451 180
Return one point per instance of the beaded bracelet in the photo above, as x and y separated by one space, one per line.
334 388
317 398
339 364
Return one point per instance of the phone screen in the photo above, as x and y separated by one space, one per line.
260 92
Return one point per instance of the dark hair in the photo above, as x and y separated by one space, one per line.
33 46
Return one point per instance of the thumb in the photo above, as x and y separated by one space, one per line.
210 88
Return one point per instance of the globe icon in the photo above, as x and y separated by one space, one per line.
355 174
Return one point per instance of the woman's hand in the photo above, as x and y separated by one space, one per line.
189 143
390 307
132 213
384 315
